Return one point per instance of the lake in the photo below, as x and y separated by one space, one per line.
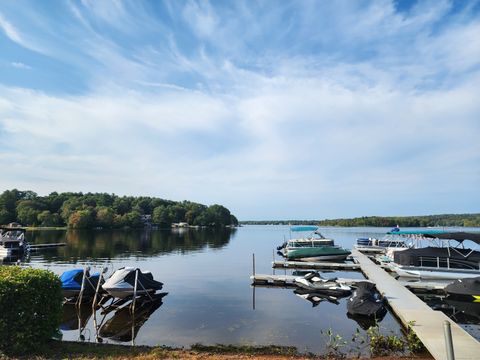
210 299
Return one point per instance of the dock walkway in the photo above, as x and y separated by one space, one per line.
428 324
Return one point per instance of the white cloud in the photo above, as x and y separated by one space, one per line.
20 65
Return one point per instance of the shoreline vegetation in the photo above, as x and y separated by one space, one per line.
106 211
444 220
77 350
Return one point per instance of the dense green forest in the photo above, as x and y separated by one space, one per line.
92 210
381 221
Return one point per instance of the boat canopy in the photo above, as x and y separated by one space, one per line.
441 234
303 228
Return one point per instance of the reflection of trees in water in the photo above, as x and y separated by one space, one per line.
83 244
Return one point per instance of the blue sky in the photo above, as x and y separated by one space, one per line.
275 109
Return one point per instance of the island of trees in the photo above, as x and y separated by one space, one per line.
92 210
467 220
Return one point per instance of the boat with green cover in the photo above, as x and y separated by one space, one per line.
312 248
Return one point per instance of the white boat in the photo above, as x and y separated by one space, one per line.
129 281
12 241
316 283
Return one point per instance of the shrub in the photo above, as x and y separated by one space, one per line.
31 308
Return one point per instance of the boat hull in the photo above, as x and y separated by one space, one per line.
433 273
317 254
122 293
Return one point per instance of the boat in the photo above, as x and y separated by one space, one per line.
314 247
72 283
442 261
12 241
129 281
314 282
380 245
466 289
366 301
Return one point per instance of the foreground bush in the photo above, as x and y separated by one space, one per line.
30 308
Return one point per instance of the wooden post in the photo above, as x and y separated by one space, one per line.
253 259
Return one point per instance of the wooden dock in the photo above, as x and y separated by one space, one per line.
36 247
316 265
428 324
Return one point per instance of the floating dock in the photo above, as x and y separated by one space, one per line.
315 265
286 281
36 247
428 324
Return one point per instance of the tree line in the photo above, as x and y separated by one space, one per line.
467 220
91 210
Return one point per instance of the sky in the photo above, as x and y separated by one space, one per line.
274 109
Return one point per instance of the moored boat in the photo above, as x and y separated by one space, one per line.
466 289
314 282
72 283
12 241
129 281
314 247
366 301
442 261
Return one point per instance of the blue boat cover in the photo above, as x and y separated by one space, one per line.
303 228
68 279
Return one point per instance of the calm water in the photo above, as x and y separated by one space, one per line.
206 274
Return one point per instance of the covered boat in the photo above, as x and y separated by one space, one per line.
72 283
314 282
366 301
467 289
443 261
314 247
122 283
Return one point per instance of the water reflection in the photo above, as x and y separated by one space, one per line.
124 325
76 318
109 244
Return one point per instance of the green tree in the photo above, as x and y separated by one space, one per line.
81 219
161 216
104 217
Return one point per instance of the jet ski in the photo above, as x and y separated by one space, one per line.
465 289
72 283
313 281
366 301
122 283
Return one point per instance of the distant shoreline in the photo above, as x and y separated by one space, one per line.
443 220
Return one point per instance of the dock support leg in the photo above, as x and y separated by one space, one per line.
447 331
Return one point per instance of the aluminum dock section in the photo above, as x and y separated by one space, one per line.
315 265
428 324
287 280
